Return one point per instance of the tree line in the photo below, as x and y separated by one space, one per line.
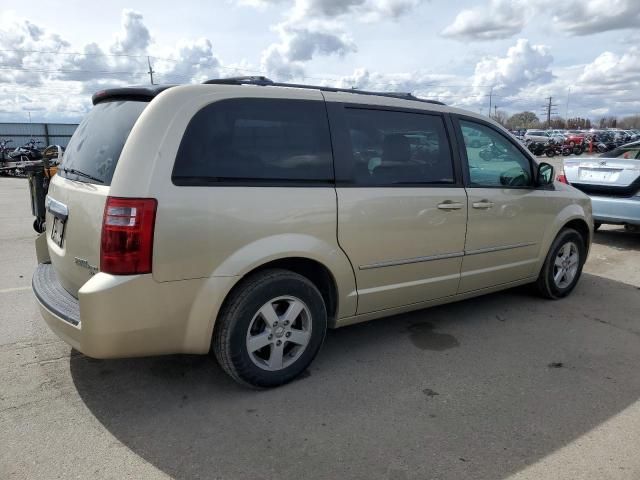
530 120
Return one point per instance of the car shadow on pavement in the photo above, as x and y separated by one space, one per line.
477 389
618 238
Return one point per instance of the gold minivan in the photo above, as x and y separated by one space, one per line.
245 217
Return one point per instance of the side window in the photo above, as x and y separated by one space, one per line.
256 139
493 160
395 148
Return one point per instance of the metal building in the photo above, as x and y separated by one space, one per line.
46 133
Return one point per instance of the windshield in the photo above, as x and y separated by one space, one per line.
95 147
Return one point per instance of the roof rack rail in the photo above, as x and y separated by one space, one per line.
266 82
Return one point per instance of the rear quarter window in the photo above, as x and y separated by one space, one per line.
256 140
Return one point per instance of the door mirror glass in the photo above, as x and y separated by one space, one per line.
545 174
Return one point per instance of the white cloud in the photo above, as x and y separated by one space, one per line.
285 60
523 65
60 86
20 40
594 16
317 27
66 82
499 19
134 36
190 60
365 10
609 68
277 66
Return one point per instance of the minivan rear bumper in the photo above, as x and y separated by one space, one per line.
59 308
125 316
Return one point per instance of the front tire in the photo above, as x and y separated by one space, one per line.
270 328
563 266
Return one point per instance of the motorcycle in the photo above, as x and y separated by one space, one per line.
20 158
29 151
597 144
4 151
537 148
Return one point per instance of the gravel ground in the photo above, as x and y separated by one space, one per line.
503 386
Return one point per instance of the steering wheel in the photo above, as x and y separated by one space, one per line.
518 178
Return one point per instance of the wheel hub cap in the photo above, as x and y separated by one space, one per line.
566 265
279 333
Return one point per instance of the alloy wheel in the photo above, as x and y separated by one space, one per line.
566 265
279 333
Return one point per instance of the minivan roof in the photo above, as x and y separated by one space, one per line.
148 92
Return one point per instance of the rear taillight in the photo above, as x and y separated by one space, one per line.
126 247
562 178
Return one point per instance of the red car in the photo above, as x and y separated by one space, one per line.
574 139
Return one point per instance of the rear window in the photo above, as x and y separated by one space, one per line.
95 147
257 140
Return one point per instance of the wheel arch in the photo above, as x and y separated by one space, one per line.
573 216
581 226
324 264
316 272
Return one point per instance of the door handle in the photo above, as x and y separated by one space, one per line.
449 205
483 204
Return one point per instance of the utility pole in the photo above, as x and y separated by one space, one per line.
495 111
549 109
490 100
151 71
566 113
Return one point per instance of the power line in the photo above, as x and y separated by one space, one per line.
60 70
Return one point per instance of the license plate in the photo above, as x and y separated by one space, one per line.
57 231
595 175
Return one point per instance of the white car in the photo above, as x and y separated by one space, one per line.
543 136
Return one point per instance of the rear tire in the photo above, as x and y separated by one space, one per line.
563 266
270 328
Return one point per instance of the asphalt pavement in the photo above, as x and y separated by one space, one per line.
503 386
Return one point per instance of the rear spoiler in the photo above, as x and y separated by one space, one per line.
137 93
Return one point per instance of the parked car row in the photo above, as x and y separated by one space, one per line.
567 142
616 135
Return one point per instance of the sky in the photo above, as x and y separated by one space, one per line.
513 54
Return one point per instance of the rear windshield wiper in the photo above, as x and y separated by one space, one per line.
82 174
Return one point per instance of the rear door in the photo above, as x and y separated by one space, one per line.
508 216
402 210
77 194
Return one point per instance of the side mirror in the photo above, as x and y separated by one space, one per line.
545 174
